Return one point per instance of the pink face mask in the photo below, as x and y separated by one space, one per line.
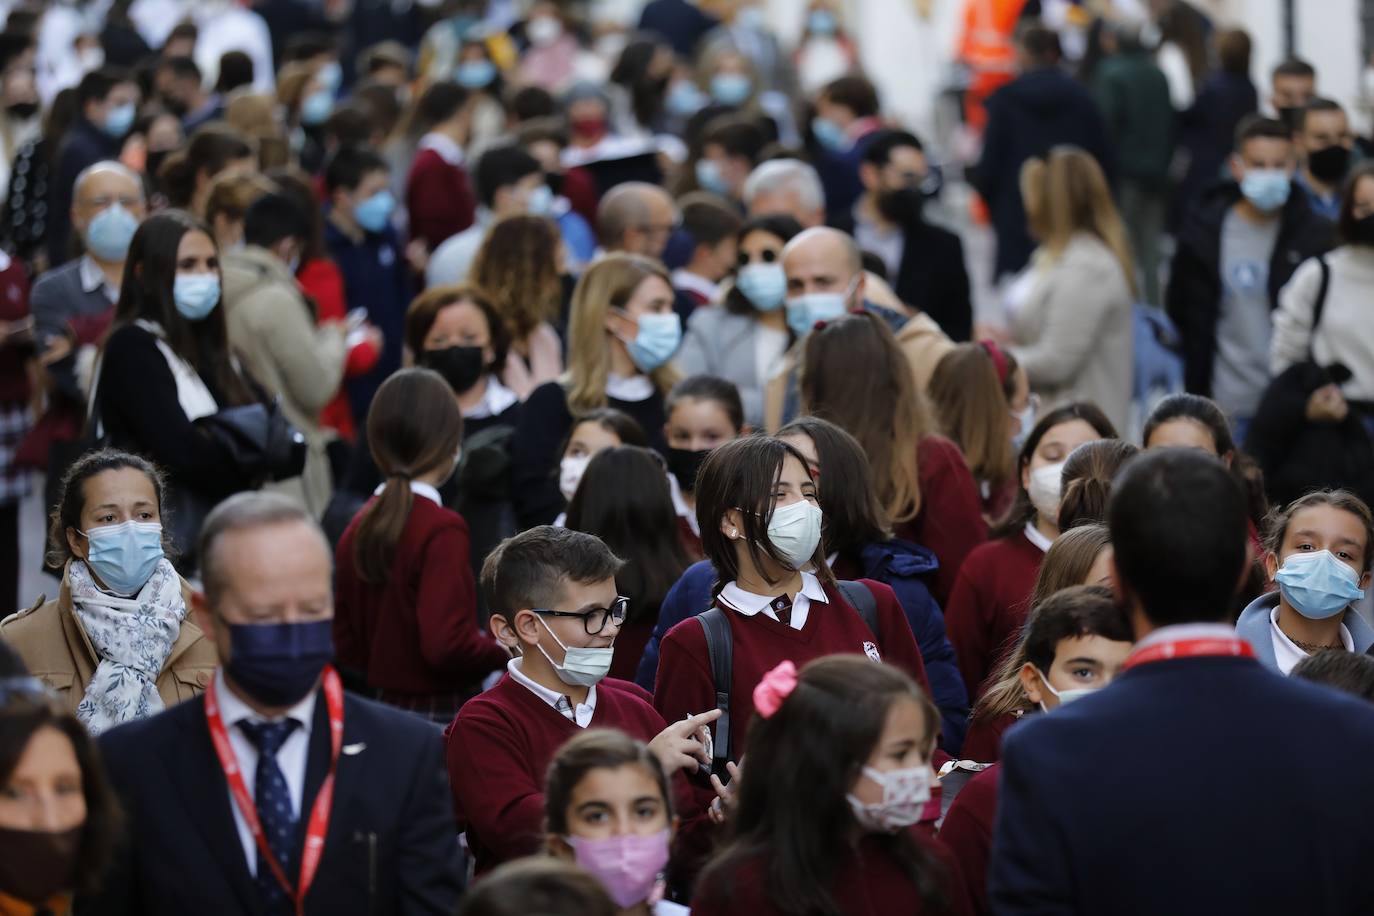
627 866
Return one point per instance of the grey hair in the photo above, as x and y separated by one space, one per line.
243 512
625 207
786 175
107 165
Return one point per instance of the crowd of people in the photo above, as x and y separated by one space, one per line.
497 461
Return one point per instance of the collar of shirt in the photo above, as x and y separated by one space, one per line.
581 714
496 399
1034 535
680 506
419 488
1184 631
695 283
1288 653
631 388
749 604
448 150
93 278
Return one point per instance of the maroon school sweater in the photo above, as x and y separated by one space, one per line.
967 831
984 615
439 199
417 632
499 750
950 523
983 742
869 882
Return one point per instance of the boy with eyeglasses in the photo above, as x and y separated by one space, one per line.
554 605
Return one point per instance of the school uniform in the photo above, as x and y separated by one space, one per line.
983 742
818 623
414 638
1259 626
950 523
868 881
499 750
439 196
990 602
967 831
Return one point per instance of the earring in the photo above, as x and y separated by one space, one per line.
734 533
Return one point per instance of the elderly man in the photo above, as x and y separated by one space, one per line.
787 186
233 798
637 218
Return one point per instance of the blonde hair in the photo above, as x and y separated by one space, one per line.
1066 193
609 283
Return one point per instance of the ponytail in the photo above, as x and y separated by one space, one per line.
1087 477
379 530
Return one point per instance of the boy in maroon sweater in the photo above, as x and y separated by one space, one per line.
1076 642
554 605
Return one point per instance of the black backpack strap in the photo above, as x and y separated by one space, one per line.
1320 305
862 600
720 647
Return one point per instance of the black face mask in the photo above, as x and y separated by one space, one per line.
154 162
902 206
555 182
175 105
1362 231
685 464
37 864
22 110
1329 164
461 367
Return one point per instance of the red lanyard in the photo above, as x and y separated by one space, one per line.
319 814
1189 648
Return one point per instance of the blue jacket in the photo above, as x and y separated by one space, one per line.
1253 627
1193 787
901 565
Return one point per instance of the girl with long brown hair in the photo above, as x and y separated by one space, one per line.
854 375
405 612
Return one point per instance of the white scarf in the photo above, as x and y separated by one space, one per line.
132 637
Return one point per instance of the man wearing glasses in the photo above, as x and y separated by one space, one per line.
554 606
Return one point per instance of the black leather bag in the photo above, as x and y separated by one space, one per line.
263 443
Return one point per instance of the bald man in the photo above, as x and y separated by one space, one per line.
637 218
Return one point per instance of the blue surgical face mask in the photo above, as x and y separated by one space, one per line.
684 99
764 285
317 106
374 213
657 340
710 178
195 295
124 556
822 22
119 120
330 75
731 88
804 311
475 74
540 201
829 134
1267 189
1317 585
109 233
277 664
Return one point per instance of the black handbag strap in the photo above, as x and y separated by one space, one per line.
1319 306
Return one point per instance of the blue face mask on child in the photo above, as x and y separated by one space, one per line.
124 556
475 74
374 213
1317 585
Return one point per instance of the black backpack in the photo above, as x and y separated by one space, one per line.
720 646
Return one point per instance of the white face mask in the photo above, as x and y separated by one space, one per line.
581 667
1064 696
570 471
1025 422
905 793
795 531
1046 484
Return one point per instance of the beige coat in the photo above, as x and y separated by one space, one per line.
57 651
1073 336
273 332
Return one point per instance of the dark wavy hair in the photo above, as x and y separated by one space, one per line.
71 499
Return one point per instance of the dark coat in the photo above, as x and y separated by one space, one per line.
1208 132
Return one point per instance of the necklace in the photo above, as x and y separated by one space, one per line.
1310 647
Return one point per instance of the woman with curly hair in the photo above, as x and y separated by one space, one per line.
519 267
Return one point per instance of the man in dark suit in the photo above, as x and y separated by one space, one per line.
256 749
924 263
1198 782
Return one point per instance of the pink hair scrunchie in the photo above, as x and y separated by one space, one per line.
775 687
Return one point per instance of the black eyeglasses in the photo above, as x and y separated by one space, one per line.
594 621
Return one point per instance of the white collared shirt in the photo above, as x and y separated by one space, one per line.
631 388
1037 537
290 758
419 488
580 714
1181 631
695 283
93 278
749 604
1288 653
444 145
496 399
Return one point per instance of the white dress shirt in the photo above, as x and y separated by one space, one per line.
496 399
1036 537
629 388
419 488
93 278
291 757
749 604
1288 653
580 715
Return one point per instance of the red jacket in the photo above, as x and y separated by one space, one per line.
322 282
990 602
439 199
417 632
950 523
